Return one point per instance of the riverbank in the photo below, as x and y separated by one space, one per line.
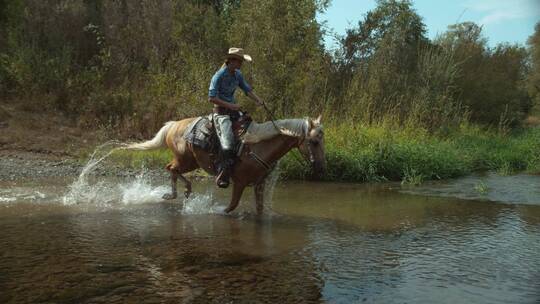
379 153
17 165
41 144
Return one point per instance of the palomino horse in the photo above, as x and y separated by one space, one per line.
265 144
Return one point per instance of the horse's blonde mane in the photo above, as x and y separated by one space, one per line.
266 130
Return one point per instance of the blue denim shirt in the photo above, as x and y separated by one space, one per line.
223 85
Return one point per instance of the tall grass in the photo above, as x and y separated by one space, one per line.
368 153
379 153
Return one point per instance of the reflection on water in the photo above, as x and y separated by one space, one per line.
336 243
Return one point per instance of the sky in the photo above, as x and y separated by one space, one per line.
510 21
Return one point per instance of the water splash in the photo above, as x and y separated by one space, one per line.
269 187
202 204
141 191
88 189
100 192
81 190
18 194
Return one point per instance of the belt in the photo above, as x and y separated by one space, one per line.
235 115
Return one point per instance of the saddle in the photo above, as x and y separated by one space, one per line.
202 132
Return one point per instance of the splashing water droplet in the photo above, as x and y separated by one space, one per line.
140 191
81 190
201 204
105 193
271 182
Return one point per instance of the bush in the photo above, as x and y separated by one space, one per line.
378 153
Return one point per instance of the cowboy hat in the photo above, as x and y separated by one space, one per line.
238 53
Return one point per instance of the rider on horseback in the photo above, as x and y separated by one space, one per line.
221 94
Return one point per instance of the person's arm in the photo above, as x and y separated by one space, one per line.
248 90
255 98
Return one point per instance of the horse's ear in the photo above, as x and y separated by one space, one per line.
318 121
310 123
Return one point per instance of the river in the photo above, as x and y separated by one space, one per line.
469 240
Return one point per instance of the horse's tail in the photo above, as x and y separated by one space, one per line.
157 142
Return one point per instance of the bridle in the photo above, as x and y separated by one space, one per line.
310 158
298 144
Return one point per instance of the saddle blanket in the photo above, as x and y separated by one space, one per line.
199 132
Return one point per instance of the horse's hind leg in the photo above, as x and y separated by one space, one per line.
176 169
187 183
171 167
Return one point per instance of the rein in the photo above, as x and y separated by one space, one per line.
272 119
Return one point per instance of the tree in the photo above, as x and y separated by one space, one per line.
490 80
285 41
392 22
533 79
381 57
468 48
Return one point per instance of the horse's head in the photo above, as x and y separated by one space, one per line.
312 148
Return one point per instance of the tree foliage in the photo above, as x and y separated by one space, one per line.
491 80
533 81
395 73
135 64
285 41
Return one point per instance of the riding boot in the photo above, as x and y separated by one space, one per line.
222 180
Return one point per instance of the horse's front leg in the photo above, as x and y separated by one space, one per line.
259 197
238 189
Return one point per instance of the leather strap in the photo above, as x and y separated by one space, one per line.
260 161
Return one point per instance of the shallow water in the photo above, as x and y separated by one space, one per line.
116 241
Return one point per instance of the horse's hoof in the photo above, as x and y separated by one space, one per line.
169 196
187 193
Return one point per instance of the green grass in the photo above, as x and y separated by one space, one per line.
481 187
379 153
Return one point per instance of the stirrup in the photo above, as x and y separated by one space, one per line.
221 181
